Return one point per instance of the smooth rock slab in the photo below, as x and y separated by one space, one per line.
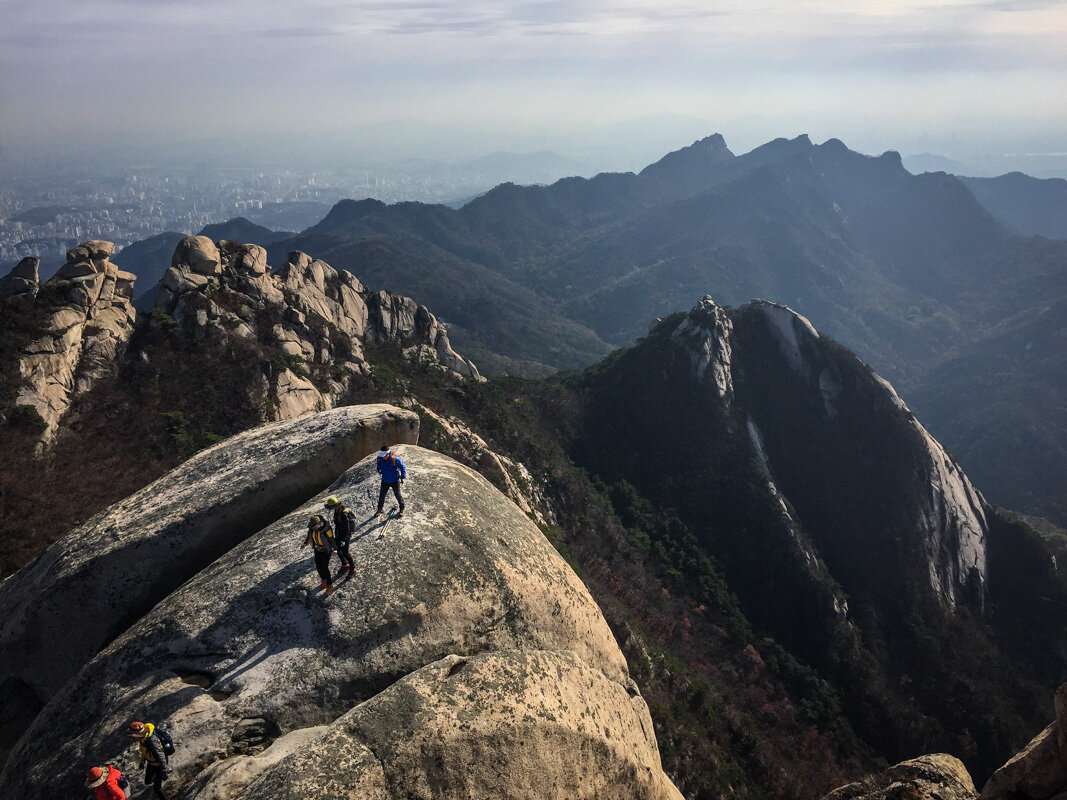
59 611
464 572
528 725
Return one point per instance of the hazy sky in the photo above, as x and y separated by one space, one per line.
901 74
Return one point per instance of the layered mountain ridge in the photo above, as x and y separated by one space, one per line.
799 574
910 271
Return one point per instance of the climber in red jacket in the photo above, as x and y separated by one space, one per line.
105 783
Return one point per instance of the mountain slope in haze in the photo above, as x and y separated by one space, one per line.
1031 205
908 270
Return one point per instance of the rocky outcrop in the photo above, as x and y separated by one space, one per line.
933 777
705 335
1039 770
115 567
510 476
464 658
783 361
22 281
85 317
317 319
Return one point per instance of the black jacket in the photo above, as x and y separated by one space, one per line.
342 525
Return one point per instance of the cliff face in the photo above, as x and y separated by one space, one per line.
463 658
85 318
308 321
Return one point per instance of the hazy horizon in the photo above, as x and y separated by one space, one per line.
609 84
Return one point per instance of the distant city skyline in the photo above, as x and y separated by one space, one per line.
304 79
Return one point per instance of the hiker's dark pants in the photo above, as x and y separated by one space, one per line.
385 490
155 774
343 554
322 564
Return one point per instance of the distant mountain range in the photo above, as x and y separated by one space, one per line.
920 274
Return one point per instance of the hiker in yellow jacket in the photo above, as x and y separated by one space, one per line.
153 755
320 537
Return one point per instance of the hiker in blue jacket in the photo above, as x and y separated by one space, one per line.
393 473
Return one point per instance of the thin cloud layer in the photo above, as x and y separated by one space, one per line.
345 63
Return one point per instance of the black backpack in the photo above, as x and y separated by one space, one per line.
122 783
165 741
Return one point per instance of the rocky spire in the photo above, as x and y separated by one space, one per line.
84 318
319 318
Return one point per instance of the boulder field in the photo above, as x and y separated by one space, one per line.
463 658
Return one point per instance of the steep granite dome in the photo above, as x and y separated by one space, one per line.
115 567
845 529
463 658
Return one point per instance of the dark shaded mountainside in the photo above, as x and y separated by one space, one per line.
803 582
910 271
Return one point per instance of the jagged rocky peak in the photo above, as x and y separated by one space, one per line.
82 320
701 155
314 315
705 336
463 642
782 361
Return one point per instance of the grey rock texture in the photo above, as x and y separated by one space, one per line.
463 659
1039 770
112 569
320 318
85 318
932 777
946 514
23 279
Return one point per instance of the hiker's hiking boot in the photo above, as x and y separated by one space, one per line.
378 513
328 592
324 584
399 515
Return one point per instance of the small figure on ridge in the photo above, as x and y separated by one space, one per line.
344 525
106 782
393 473
153 755
320 537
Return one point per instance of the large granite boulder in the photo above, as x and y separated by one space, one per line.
464 658
88 587
931 777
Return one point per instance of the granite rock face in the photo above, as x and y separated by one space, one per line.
780 351
463 658
315 317
23 280
112 569
85 317
932 777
